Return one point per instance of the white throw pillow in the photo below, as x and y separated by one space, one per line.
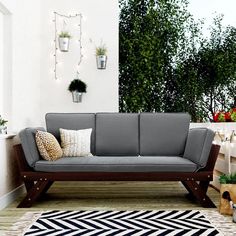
75 143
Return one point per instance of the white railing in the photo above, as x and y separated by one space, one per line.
225 136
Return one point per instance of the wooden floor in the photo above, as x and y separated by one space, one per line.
107 195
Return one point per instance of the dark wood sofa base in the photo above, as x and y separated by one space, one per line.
37 183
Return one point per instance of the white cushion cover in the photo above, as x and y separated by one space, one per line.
76 142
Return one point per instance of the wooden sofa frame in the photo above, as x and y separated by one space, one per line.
38 183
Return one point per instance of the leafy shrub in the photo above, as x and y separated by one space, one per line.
228 179
77 85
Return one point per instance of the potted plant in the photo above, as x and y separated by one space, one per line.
64 41
3 127
227 188
101 55
77 88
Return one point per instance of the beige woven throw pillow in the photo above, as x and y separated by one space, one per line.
76 143
48 146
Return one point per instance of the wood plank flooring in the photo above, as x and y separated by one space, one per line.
107 196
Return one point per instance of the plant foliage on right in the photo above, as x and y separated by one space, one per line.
228 179
167 65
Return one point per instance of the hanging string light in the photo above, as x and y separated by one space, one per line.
56 15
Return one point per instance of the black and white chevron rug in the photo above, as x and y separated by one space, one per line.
121 223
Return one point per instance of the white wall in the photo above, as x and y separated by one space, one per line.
100 21
23 91
34 89
6 62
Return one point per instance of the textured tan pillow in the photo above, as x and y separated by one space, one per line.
48 146
76 143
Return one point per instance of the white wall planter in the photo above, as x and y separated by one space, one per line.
101 61
64 44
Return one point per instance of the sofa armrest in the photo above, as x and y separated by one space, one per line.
198 145
27 139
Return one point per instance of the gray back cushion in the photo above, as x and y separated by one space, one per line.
27 139
72 121
163 134
117 134
198 145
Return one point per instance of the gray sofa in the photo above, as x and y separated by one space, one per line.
125 146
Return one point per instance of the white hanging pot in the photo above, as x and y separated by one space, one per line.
64 44
101 61
77 96
3 129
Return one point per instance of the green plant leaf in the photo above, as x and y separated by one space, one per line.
77 85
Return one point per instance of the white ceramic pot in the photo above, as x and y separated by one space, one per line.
3 129
101 61
64 44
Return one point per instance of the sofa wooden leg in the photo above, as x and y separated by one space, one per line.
204 185
199 192
190 195
34 193
28 185
49 184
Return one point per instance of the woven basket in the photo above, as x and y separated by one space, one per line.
225 208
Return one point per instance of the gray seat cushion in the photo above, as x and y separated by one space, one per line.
117 164
117 134
72 121
198 145
27 139
163 134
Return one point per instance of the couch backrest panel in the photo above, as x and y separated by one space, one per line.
163 134
72 121
198 145
117 134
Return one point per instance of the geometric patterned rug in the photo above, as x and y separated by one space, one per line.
119 223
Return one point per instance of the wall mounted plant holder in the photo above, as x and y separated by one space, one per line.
77 96
64 41
101 62
101 56
77 88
